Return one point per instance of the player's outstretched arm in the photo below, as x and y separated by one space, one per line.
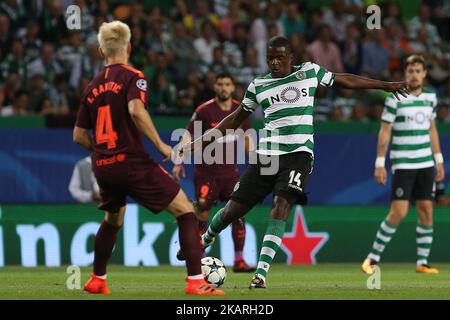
436 149
384 137
145 125
233 121
82 137
351 81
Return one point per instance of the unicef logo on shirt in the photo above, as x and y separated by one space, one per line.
292 94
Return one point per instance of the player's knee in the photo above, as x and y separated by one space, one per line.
115 219
396 215
280 209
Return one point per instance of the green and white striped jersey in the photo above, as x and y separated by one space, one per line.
411 118
288 108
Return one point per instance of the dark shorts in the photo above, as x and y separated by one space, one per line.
413 184
288 182
210 188
138 177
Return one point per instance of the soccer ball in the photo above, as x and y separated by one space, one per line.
214 271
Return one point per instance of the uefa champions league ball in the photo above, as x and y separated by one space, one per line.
214 271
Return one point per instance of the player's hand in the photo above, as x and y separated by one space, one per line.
397 88
380 175
95 196
440 172
166 151
177 169
185 150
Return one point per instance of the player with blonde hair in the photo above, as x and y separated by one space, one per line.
113 106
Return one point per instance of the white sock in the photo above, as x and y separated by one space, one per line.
101 277
196 277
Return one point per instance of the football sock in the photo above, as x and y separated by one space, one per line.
238 232
384 235
215 227
190 242
196 277
424 239
271 243
104 243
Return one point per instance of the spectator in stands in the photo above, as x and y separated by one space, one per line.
83 186
375 56
442 194
396 44
375 112
325 52
15 62
206 43
195 21
31 42
9 88
351 48
162 97
207 92
139 19
18 105
5 36
423 20
442 113
315 21
336 113
346 100
228 22
46 65
322 105
37 93
292 21
338 19
185 100
60 96
90 64
250 70
235 48
138 48
359 113
184 53
299 45
219 63
52 24
71 53
15 11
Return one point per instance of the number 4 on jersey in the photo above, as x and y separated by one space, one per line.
104 131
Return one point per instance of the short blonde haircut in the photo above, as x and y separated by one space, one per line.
113 37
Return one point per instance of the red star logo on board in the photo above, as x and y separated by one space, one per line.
300 245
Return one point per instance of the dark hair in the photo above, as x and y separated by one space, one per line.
224 75
280 41
415 58
19 93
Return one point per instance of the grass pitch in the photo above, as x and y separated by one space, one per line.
323 281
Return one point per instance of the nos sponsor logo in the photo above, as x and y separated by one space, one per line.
289 95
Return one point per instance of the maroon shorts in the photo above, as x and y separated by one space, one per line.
210 188
140 178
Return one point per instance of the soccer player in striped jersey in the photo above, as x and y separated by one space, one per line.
411 123
287 96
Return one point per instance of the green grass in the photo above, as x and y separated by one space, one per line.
323 281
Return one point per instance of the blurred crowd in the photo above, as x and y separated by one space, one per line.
182 44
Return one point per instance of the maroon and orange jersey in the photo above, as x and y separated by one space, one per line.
104 109
210 115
